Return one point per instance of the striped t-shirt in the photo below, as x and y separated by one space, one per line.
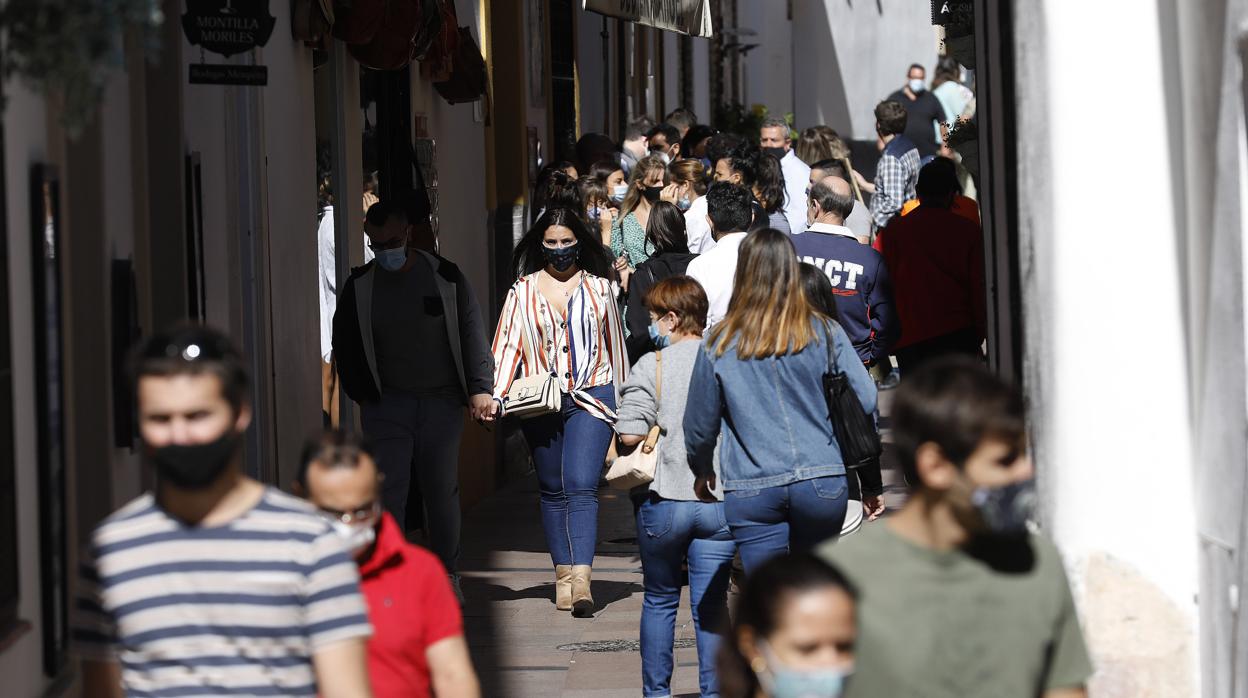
237 609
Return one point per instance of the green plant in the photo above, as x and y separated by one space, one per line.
68 47
736 118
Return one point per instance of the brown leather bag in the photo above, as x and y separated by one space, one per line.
439 61
311 21
469 80
394 44
358 21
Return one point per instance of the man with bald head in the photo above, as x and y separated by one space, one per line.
864 293
859 219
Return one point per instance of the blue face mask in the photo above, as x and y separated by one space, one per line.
782 682
683 204
661 341
560 257
618 192
392 260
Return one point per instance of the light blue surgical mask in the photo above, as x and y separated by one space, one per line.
392 260
618 192
661 341
780 681
916 86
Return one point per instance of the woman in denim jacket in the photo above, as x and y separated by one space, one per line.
671 523
759 381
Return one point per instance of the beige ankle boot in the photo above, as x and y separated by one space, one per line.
563 587
582 600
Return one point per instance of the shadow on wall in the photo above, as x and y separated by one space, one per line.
821 96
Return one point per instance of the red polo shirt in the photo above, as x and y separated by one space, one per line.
411 606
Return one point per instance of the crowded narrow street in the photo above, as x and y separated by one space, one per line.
520 648
619 348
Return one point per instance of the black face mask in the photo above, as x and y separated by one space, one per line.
652 193
195 466
560 258
776 152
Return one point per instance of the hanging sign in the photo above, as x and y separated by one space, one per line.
960 13
228 74
228 27
692 17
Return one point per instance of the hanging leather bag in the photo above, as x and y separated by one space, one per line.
468 79
394 44
855 430
638 466
357 21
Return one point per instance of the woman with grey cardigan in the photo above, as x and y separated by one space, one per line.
672 523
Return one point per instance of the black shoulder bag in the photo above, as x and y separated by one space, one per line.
854 429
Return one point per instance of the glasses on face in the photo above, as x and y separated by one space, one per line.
365 514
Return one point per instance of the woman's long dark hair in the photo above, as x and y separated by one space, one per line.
770 183
819 291
591 256
665 231
759 605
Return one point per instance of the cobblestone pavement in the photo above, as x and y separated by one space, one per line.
522 647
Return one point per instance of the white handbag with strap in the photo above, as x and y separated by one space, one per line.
537 394
638 466
533 396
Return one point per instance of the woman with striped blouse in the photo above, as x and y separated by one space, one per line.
561 317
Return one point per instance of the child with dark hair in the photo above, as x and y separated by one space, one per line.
957 573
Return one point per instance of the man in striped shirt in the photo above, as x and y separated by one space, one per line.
214 585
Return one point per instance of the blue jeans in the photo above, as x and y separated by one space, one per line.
568 451
774 520
667 531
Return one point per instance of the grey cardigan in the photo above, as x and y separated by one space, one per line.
639 410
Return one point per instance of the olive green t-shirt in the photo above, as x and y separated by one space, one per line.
992 620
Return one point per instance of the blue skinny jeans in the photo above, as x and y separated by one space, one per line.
668 531
568 452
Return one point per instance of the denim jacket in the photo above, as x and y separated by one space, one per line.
772 411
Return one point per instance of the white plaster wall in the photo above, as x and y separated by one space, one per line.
288 109
847 56
671 72
119 225
767 70
204 124
25 142
463 217
1105 347
595 80
702 81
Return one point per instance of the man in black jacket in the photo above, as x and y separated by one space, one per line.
411 350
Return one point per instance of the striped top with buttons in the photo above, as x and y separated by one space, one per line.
231 610
582 349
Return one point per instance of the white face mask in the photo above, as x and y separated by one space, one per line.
356 537
917 86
